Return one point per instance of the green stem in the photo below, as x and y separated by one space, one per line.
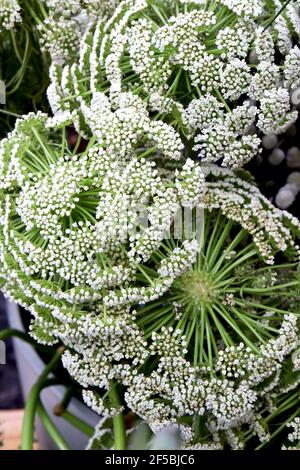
10 113
234 326
212 257
77 423
225 336
15 46
9 332
265 307
276 15
235 242
53 432
278 430
236 263
248 290
118 422
33 399
221 98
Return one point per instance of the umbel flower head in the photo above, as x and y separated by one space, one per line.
219 73
199 329
10 14
24 70
66 23
294 435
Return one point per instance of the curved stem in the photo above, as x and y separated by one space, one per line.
77 423
61 410
32 401
278 430
10 332
118 422
51 428
10 113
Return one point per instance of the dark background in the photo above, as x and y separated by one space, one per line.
10 392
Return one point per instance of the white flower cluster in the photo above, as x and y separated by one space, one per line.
192 71
60 7
226 138
275 117
10 14
65 25
294 436
121 122
250 9
59 37
292 67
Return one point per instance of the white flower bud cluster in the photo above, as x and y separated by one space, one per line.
59 7
228 140
281 28
294 436
264 45
123 121
292 14
60 37
260 428
154 72
212 446
250 9
291 68
65 25
202 111
189 183
181 260
275 117
234 41
266 78
100 7
95 402
232 362
12 149
272 354
182 34
163 104
10 14
234 79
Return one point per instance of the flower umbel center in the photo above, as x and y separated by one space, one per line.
198 287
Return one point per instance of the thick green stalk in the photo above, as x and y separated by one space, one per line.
118 421
33 399
75 421
53 432
10 332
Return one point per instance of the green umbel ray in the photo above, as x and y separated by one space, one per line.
228 295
